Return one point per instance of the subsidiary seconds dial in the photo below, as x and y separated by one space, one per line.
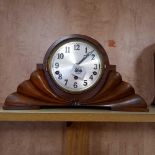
75 65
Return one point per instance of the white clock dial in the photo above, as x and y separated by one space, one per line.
75 65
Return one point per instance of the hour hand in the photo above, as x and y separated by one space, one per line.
87 55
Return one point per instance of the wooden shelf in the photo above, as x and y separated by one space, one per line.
77 115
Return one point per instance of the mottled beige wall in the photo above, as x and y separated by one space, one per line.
29 27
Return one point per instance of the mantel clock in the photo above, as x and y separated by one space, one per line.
75 73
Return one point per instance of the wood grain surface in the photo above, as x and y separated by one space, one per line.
76 115
126 29
35 93
77 139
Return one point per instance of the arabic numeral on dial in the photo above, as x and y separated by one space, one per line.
93 57
66 81
95 66
67 49
76 47
56 65
60 76
85 83
75 85
60 56
91 77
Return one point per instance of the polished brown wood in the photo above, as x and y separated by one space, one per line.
115 94
109 92
34 93
118 95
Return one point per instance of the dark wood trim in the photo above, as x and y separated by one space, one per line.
85 94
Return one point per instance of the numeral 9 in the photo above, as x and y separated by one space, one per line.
56 65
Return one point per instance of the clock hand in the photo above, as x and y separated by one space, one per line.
87 55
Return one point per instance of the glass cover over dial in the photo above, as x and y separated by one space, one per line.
75 65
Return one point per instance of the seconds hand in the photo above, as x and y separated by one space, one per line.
87 55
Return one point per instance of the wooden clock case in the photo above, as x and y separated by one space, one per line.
110 92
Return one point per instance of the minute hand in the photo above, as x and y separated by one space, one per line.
85 57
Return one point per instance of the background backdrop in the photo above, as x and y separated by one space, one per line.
126 29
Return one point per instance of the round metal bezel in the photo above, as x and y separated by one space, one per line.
87 92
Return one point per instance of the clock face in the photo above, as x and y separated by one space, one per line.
75 65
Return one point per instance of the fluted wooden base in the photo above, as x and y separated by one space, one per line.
36 93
